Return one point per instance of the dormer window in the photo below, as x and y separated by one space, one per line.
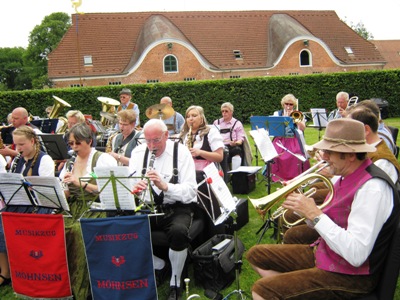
237 54
87 60
349 51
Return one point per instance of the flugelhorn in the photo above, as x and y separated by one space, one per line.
264 204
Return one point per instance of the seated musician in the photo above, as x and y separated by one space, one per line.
382 158
3 164
233 134
125 97
20 117
355 228
173 195
30 161
175 122
342 99
125 141
206 146
286 166
81 164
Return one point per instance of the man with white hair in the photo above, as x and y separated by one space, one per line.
342 99
170 168
174 123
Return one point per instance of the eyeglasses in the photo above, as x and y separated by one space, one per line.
71 143
155 141
290 104
224 110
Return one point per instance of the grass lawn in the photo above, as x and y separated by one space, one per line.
247 234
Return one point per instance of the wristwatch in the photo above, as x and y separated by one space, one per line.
316 220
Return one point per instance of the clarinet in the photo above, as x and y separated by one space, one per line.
15 162
152 159
70 163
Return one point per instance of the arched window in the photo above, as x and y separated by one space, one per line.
170 64
305 58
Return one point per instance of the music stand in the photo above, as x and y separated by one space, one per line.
46 125
216 187
320 119
33 191
54 145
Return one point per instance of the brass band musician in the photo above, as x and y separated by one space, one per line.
125 141
355 228
174 123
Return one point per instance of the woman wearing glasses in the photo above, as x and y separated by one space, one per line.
81 164
286 166
84 159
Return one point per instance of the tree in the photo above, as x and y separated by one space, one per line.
360 29
43 39
13 75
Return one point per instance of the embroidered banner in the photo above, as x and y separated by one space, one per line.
37 255
119 256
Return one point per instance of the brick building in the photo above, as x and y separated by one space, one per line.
140 47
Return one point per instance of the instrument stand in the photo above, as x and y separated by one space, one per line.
240 294
269 223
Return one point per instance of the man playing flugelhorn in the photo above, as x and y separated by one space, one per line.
355 229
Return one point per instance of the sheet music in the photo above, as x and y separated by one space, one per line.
246 169
219 187
264 144
12 190
125 198
319 117
48 191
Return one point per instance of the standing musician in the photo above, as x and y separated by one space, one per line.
355 229
342 100
125 97
125 141
170 169
175 122
206 146
30 161
286 166
233 134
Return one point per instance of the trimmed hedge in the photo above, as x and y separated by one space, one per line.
250 96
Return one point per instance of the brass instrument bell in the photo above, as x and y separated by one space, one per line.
58 105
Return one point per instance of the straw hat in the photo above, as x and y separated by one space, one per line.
344 135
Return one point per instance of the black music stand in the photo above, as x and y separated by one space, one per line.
320 119
54 145
35 191
46 125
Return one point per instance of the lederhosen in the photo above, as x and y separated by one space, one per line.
177 213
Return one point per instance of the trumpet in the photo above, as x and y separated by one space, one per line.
264 204
297 116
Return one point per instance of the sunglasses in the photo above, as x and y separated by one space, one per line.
290 104
71 143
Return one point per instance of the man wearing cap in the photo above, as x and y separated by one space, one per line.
355 229
125 96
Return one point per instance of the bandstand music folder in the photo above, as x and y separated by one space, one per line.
276 125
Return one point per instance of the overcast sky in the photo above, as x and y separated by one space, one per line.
19 17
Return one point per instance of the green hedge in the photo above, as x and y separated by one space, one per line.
250 96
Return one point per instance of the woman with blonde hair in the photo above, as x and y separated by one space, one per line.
30 161
206 146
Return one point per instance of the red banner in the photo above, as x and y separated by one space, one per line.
37 255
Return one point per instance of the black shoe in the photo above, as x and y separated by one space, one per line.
163 274
6 281
175 293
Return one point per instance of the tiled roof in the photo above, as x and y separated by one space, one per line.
115 40
390 50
